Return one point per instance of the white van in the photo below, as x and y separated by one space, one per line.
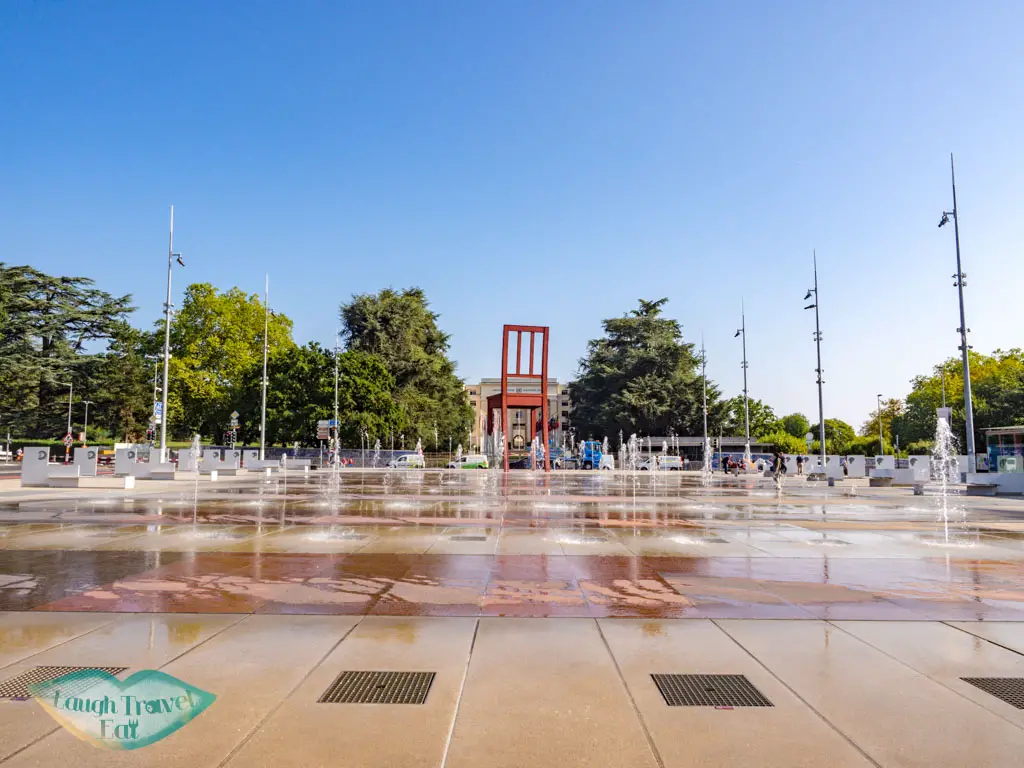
470 461
407 461
662 462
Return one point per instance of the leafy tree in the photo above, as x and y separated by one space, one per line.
762 418
838 436
400 329
867 445
783 441
642 377
300 392
216 339
892 409
796 424
50 325
997 388
123 386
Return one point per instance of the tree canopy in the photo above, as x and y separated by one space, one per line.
796 424
401 330
839 436
216 339
52 333
997 391
642 377
300 392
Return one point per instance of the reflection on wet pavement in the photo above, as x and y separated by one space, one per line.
522 544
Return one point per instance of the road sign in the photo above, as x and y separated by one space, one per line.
234 414
68 439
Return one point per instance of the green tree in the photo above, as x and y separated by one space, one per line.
641 377
401 330
783 441
300 392
762 418
891 409
838 436
49 329
796 424
997 387
216 339
122 387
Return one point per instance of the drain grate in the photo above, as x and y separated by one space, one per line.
1009 689
709 691
378 688
17 687
468 538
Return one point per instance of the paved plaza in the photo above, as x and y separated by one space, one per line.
543 604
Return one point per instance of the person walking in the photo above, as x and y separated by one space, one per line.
799 465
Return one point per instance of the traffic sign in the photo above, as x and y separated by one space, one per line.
68 439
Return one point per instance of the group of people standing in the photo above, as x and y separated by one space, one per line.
778 466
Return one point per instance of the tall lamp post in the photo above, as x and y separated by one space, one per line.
746 406
817 340
959 282
171 257
263 398
67 445
85 425
881 445
706 457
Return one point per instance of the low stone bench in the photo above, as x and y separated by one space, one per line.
880 482
982 489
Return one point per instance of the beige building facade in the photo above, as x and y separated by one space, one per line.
519 434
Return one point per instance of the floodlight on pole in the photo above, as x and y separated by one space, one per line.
263 398
71 390
742 331
959 281
881 445
85 424
171 258
819 370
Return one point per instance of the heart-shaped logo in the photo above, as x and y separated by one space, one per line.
113 714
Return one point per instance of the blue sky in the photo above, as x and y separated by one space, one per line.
611 151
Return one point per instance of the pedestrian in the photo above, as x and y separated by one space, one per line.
686 463
799 465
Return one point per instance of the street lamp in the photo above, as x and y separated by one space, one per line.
817 340
959 282
704 386
85 426
263 399
746 407
881 445
67 445
171 258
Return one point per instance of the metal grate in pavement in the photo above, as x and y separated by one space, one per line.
463 537
355 687
709 691
16 688
1009 689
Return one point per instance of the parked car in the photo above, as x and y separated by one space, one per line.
407 461
469 461
662 462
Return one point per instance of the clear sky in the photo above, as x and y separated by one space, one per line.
539 162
